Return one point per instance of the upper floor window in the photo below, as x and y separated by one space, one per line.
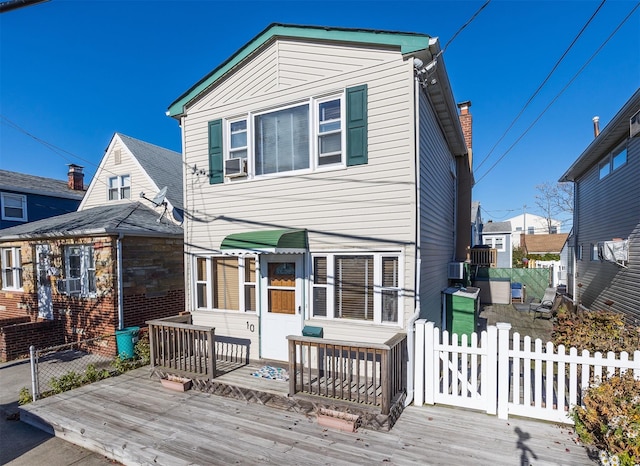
496 242
225 283
281 142
11 269
14 207
618 158
531 230
329 132
554 229
119 187
613 161
308 135
362 287
80 271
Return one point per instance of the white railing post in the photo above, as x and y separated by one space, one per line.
431 370
503 369
489 371
419 362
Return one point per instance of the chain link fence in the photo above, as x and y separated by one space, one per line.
58 368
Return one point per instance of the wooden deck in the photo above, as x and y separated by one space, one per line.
134 420
235 380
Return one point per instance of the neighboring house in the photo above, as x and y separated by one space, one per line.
476 224
27 198
606 227
531 224
114 263
497 235
323 167
541 245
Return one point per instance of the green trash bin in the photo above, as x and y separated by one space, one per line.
126 340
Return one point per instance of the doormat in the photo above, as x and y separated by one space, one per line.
273 373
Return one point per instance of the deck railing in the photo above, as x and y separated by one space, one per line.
177 345
367 373
484 257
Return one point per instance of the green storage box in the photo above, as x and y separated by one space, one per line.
462 307
310 331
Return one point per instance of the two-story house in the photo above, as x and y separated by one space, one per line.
27 198
605 248
323 170
115 262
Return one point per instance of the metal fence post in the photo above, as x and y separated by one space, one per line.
34 373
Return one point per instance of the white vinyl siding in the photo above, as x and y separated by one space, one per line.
278 68
368 207
97 193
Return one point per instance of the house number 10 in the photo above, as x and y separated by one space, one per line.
251 327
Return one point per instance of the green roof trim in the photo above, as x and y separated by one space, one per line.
407 42
266 240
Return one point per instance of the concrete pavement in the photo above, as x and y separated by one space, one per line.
24 445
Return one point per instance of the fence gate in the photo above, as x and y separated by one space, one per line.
460 373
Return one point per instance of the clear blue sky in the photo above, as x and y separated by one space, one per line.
74 72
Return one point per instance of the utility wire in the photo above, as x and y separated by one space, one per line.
559 93
542 85
462 27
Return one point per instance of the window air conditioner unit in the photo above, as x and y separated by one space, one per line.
235 167
456 271
634 124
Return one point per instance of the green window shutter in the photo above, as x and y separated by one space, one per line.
216 172
357 125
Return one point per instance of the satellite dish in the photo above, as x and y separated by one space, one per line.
159 198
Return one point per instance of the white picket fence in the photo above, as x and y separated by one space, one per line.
503 377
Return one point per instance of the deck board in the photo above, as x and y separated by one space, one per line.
134 420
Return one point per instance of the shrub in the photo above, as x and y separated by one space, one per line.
595 331
65 382
24 397
143 357
610 419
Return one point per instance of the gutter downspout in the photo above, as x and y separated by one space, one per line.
119 278
418 261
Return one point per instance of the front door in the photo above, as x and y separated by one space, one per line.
43 266
281 304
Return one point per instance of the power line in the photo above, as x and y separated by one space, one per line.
560 93
462 27
542 84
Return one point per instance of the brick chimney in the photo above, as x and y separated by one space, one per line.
466 121
75 178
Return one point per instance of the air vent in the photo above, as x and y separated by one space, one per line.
235 167
456 271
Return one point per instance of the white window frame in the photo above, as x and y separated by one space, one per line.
85 285
490 240
208 282
313 105
118 187
231 152
316 133
11 255
21 198
377 286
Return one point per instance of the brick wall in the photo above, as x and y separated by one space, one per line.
17 304
140 308
16 339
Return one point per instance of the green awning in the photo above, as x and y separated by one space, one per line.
267 241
